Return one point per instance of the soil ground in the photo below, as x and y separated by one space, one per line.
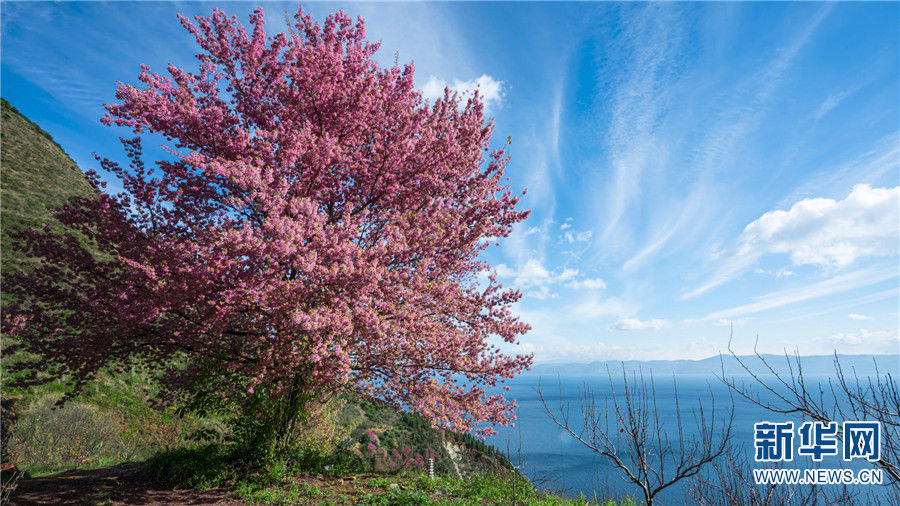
116 485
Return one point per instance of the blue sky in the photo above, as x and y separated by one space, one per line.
689 166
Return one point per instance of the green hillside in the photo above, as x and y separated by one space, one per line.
36 175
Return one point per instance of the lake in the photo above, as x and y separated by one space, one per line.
554 461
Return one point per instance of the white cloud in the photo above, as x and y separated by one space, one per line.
819 231
864 341
533 273
504 272
566 224
636 324
830 233
780 273
858 317
542 293
490 90
573 237
536 279
587 284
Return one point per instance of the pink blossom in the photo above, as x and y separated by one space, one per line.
316 218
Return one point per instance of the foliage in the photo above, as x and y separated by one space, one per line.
490 488
318 228
384 459
77 435
200 468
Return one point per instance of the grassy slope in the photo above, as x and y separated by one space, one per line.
36 175
111 422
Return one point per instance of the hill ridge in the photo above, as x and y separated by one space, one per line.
36 175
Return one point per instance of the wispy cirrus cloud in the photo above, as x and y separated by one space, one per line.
830 309
652 143
836 284
832 101
722 322
650 42
875 166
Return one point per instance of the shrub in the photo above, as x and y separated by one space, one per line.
200 468
76 435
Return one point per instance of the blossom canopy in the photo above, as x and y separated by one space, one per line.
317 225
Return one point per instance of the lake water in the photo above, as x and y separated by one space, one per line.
555 461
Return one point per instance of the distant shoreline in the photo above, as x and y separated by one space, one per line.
815 365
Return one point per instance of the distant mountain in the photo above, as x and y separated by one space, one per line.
820 365
37 175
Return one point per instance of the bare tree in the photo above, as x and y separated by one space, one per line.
873 397
634 437
730 482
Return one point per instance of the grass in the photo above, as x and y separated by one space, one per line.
37 176
413 489
214 466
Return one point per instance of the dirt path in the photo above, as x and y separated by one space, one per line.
122 484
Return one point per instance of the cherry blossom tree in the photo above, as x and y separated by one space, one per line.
317 226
